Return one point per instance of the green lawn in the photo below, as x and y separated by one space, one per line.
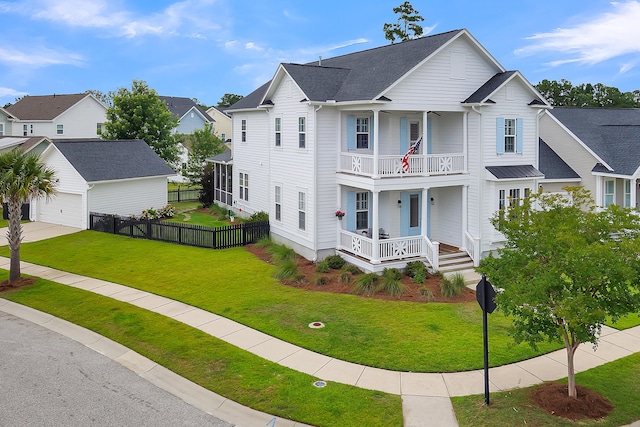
212 363
419 337
617 381
198 218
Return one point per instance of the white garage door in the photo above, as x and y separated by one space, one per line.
63 209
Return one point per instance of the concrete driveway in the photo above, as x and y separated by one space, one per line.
34 231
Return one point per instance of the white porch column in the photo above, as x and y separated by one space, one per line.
465 140
425 143
376 143
634 193
423 216
375 235
599 191
465 216
339 225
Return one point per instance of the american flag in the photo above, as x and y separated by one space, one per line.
412 150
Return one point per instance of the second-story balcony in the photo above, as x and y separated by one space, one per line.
388 166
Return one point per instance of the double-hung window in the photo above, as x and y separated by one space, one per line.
362 132
278 129
509 135
244 186
278 202
362 210
1 128
59 129
25 130
609 192
302 132
243 126
627 193
302 210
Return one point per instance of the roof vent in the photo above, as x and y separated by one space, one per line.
320 61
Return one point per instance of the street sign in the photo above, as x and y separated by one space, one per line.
485 295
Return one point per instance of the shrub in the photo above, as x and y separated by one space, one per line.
419 277
322 267
392 273
427 294
391 281
321 280
345 277
335 262
367 284
350 268
260 216
452 285
287 270
218 211
413 267
280 253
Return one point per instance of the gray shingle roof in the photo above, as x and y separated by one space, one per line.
101 160
180 106
514 172
45 107
225 157
551 165
612 133
356 76
488 88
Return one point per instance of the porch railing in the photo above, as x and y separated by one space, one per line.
391 166
396 248
472 246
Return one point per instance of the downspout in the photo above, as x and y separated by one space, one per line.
86 218
480 185
537 146
315 183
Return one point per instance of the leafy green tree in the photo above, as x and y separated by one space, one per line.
565 269
139 114
228 99
563 94
22 177
407 27
203 143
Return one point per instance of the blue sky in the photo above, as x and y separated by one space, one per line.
205 48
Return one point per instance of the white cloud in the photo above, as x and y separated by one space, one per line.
38 57
6 92
253 46
184 18
607 36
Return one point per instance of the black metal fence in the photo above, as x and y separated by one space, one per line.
184 234
183 195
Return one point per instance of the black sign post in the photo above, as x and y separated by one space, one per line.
485 295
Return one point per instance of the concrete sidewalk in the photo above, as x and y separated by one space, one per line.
425 396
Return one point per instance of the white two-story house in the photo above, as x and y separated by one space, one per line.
54 116
331 136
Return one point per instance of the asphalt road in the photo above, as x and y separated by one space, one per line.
49 380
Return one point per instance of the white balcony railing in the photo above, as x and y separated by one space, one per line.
393 249
391 166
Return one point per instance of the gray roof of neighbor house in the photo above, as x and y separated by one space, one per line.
102 160
180 106
551 165
613 134
356 76
44 107
22 142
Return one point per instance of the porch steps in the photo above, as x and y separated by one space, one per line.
457 261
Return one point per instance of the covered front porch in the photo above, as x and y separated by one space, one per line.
384 229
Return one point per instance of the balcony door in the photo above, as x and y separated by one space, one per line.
410 213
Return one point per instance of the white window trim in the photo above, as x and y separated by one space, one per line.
277 201
361 132
59 129
277 131
605 194
243 131
626 202
302 132
360 209
243 186
1 128
514 135
302 209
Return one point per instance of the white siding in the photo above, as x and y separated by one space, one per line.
446 215
432 84
326 187
80 121
129 197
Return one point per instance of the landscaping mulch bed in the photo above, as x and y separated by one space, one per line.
23 281
553 398
335 285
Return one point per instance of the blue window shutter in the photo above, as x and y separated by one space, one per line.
351 132
351 211
429 148
500 135
519 126
404 135
371 133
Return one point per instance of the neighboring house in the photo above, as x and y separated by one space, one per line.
222 178
331 135
190 118
223 127
35 144
113 177
55 116
602 146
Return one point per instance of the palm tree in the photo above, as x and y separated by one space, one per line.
22 177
